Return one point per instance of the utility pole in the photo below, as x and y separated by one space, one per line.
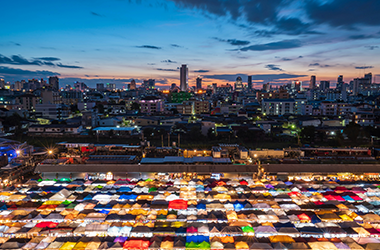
168 139
178 140
162 141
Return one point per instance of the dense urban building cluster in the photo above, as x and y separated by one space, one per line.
46 108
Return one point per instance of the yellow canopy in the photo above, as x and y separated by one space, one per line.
281 238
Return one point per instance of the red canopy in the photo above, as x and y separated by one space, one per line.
178 204
48 224
136 244
303 217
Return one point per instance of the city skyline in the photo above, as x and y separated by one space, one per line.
276 41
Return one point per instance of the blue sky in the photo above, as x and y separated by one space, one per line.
116 40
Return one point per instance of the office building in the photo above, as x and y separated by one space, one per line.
239 84
54 82
199 82
183 77
100 86
249 82
132 85
324 85
312 84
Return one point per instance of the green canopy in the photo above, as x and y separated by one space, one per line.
148 179
248 229
204 245
191 245
152 189
66 202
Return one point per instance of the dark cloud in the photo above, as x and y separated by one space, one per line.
320 65
17 44
364 67
151 63
48 58
273 67
168 61
234 42
372 47
176 45
26 73
148 47
344 13
284 44
201 71
167 69
19 60
263 77
261 12
96 14
69 66
362 36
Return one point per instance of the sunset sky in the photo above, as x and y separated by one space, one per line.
116 40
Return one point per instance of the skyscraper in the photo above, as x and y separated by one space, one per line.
324 85
132 85
239 84
250 82
339 83
199 82
54 82
183 77
312 82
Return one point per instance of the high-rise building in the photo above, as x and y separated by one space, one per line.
250 82
149 84
312 84
183 77
199 82
296 86
54 82
324 85
132 85
100 86
339 83
239 84
368 77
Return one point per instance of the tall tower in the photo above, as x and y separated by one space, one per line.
132 86
54 82
339 83
199 82
250 82
183 77
312 82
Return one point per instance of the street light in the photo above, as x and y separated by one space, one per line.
18 152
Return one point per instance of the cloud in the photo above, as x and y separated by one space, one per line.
69 66
17 44
48 58
284 44
261 77
168 61
167 69
372 47
320 65
273 67
148 47
262 12
344 13
234 42
201 71
176 45
25 73
96 14
364 67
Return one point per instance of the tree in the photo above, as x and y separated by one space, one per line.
148 132
211 134
195 134
352 131
135 106
110 133
308 133
100 108
74 108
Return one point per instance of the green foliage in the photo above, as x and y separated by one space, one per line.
352 131
308 133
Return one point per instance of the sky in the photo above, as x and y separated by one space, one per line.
275 41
